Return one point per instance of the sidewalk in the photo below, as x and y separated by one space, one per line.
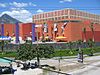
68 64
71 65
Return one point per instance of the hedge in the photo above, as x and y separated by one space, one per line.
60 52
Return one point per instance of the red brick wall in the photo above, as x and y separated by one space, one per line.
76 29
25 29
10 28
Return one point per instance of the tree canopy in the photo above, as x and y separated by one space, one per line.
28 51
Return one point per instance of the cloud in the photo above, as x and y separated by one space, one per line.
16 4
3 5
22 4
39 11
31 4
29 20
22 15
16 8
63 1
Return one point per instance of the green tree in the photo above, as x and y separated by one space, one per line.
43 51
91 44
79 44
2 44
28 52
25 52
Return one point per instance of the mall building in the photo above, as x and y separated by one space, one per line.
67 25
60 25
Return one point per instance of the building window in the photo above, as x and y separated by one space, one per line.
47 14
59 18
63 17
55 18
50 14
66 12
55 13
63 12
66 17
43 15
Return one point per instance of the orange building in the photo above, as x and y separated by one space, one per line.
67 25
61 25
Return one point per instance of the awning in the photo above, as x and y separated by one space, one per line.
60 37
5 38
47 37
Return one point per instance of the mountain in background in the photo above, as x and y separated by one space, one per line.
6 19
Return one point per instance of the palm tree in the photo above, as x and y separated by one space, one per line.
79 43
42 34
92 29
84 31
91 44
3 43
70 45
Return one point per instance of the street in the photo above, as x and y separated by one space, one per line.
89 69
94 71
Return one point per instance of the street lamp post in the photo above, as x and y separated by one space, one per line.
59 60
38 59
80 52
33 40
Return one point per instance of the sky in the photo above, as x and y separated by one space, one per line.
23 10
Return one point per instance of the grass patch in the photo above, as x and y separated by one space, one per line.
65 52
8 54
74 52
57 53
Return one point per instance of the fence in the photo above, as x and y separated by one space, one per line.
13 47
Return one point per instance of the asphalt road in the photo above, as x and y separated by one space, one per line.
94 71
90 69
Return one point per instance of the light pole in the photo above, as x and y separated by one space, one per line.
80 52
59 59
37 52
